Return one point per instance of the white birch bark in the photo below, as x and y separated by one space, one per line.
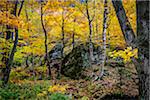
104 38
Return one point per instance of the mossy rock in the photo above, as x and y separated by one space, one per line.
55 53
76 61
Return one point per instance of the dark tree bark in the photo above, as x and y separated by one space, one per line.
11 56
143 48
62 42
73 40
46 46
10 61
90 31
73 36
124 22
27 19
6 52
27 64
141 42
63 36
9 35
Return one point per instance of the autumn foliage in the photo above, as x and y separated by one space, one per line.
65 22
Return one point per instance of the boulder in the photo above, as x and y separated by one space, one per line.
77 60
55 53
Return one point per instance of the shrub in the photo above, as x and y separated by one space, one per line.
59 96
22 91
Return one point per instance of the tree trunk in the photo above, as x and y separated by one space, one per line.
10 61
73 36
63 43
73 40
11 56
143 49
90 33
141 42
8 37
46 46
90 42
124 22
27 64
104 38
63 37
6 52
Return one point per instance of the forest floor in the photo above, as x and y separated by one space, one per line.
116 84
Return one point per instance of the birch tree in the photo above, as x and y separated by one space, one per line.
104 38
90 18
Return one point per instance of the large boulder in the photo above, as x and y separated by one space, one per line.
77 60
